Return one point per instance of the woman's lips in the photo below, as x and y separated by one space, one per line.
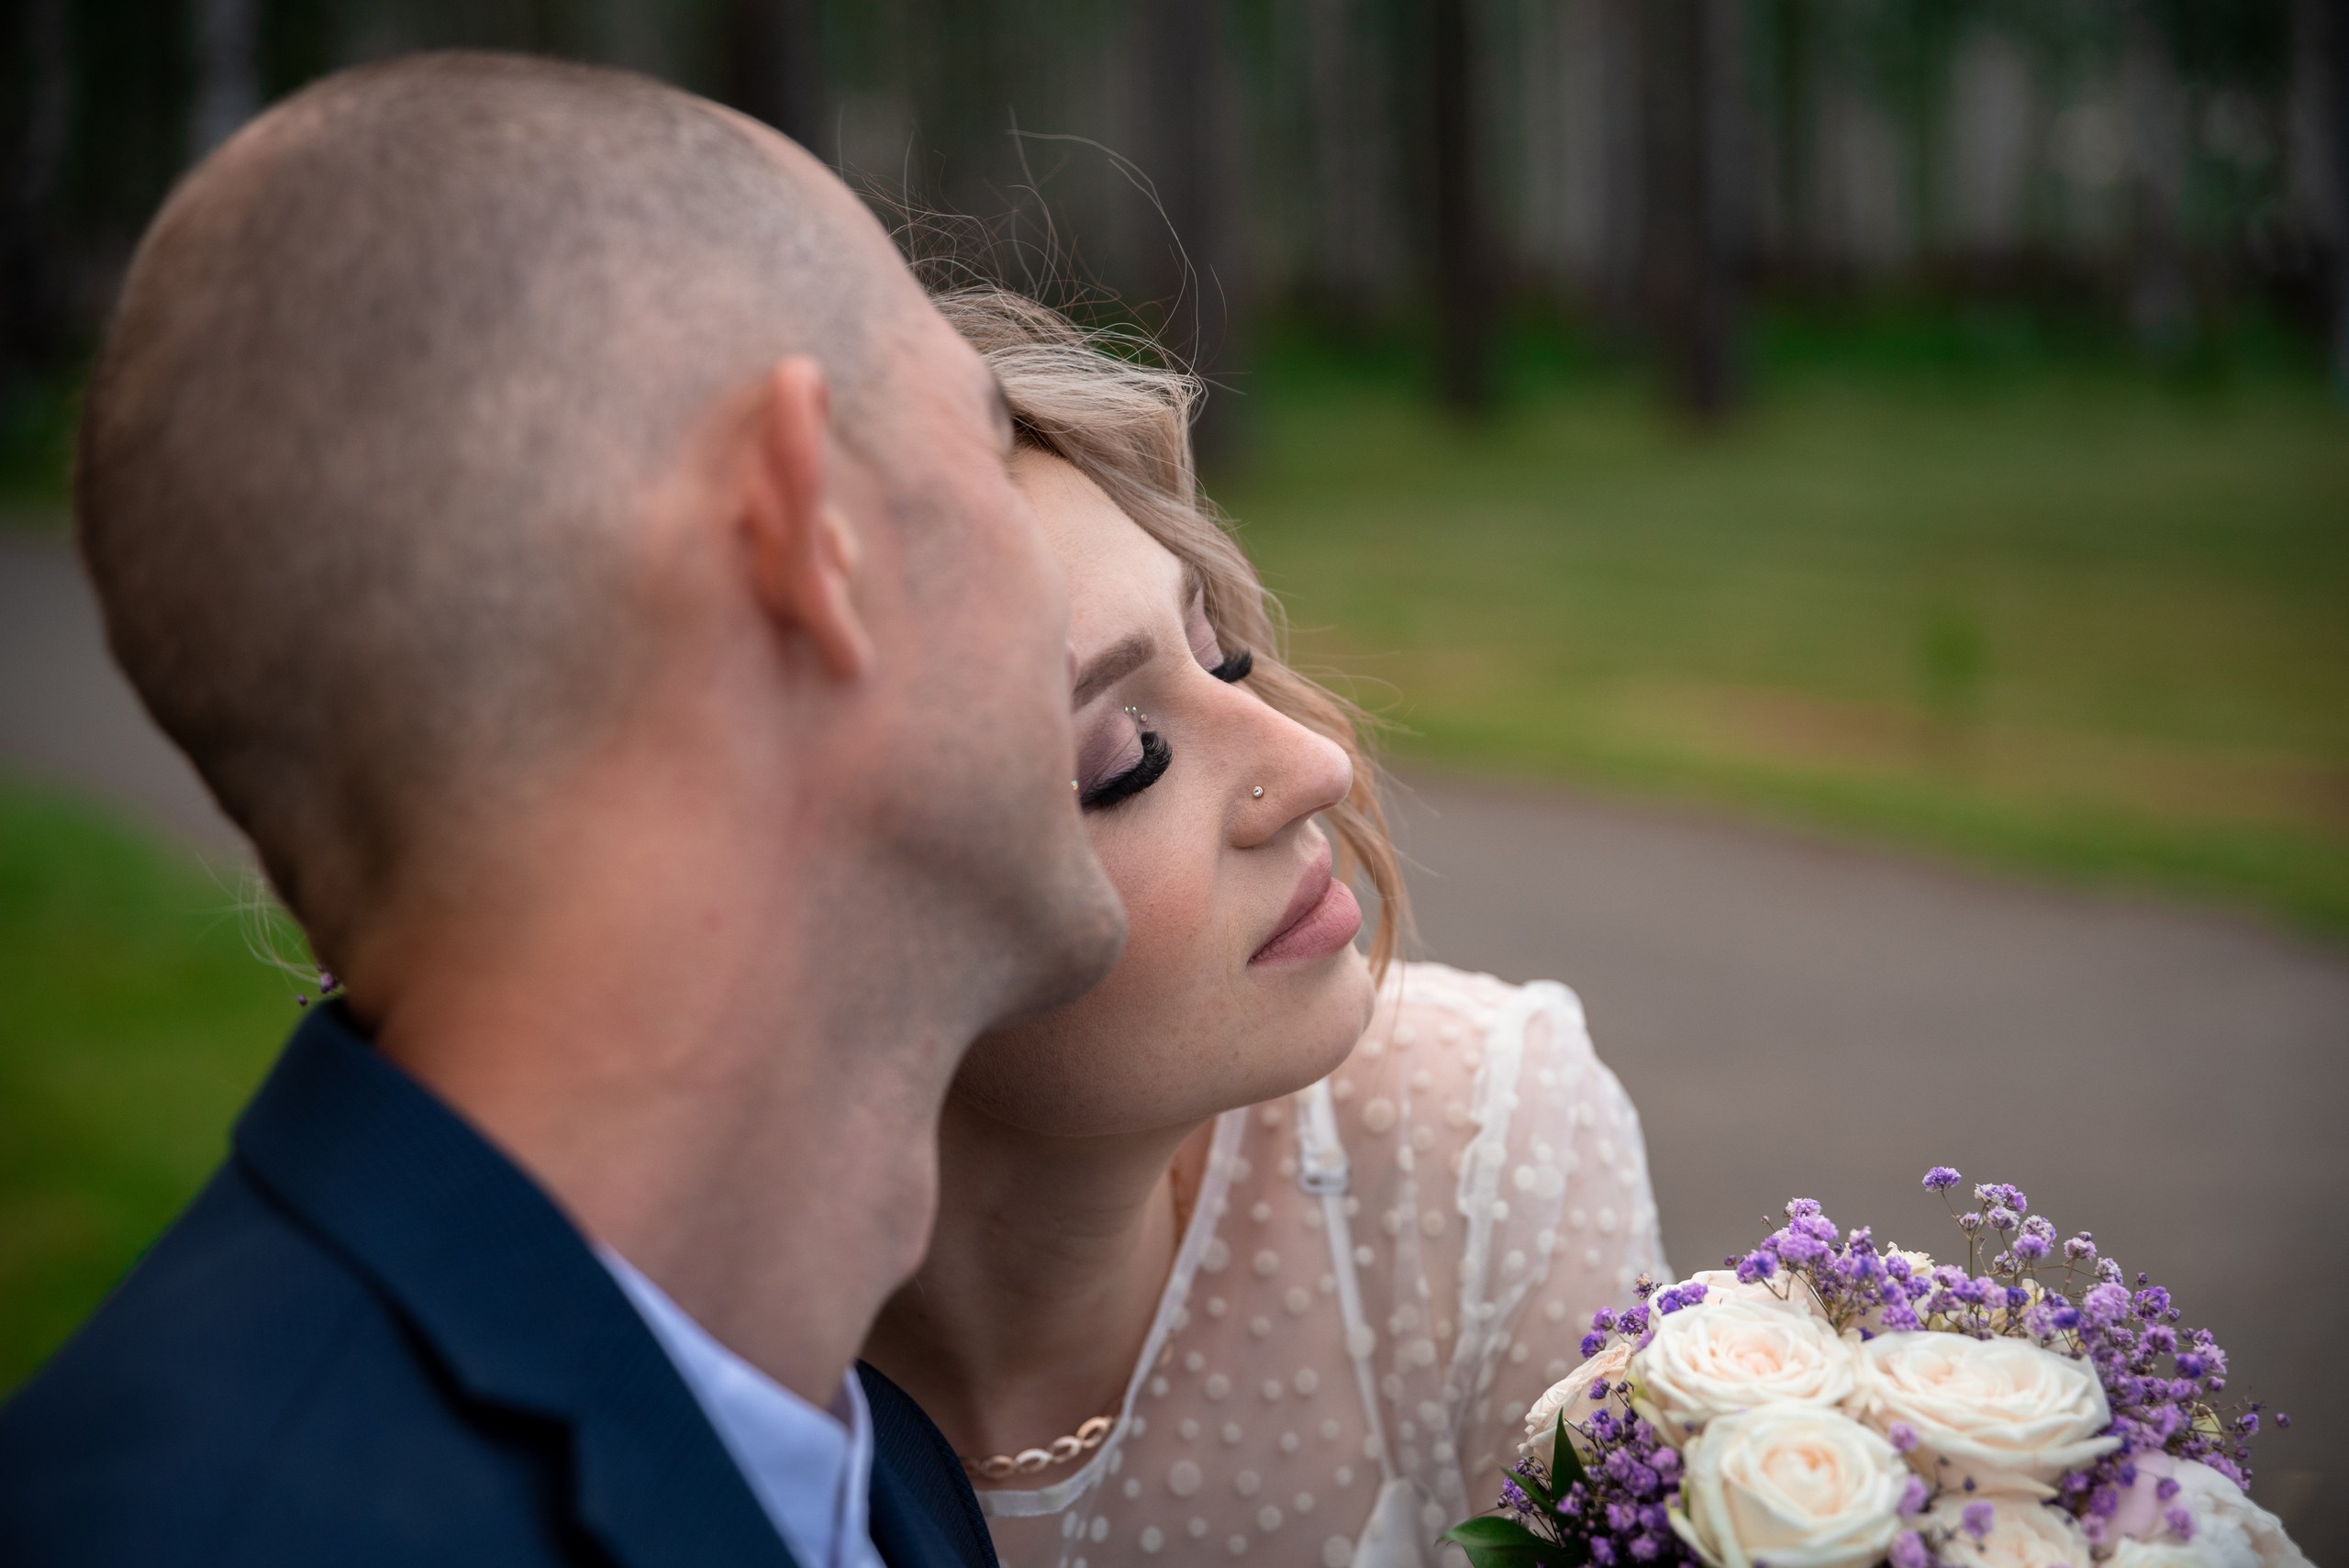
1321 917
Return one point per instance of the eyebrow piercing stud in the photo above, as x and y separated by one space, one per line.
1256 794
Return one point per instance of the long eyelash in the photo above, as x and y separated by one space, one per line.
1155 756
1235 666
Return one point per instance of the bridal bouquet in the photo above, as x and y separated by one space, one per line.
1825 1402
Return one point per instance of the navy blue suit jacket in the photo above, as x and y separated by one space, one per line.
372 1339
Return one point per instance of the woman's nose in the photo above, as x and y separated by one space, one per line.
1302 774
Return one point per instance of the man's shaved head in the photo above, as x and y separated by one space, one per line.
391 378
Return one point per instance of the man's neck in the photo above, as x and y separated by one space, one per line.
687 1054
1044 1272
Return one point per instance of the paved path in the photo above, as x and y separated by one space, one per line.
1792 1019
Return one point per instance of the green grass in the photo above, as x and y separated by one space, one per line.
36 421
2059 614
134 1021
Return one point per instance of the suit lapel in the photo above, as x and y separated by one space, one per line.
504 1289
923 1512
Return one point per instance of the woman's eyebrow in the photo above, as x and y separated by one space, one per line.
1113 663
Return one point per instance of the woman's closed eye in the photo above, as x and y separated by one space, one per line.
1127 758
1130 756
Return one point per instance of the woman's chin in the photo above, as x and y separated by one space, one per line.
1333 1024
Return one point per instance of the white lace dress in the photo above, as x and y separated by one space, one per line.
1381 1272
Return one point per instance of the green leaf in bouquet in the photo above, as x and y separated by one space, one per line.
1492 1541
1565 1464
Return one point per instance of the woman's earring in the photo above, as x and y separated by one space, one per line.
1256 794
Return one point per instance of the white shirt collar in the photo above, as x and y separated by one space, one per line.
811 1470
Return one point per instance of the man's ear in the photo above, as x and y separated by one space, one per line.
804 550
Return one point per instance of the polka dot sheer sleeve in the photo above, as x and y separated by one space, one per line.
1381 1272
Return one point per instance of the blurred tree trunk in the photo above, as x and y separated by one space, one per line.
1347 94
1196 272
1684 251
774 67
228 73
1794 27
2161 302
1464 270
2337 51
33 330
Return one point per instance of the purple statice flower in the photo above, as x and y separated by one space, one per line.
1976 1519
2180 1522
1914 1496
1902 1435
1620 1510
2105 1304
1756 1266
2001 1195
1592 1343
2031 1248
1513 1496
2081 1249
1909 1548
1940 1178
2001 1218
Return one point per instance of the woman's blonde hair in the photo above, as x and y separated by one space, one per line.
1127 427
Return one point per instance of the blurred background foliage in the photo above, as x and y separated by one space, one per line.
1921 419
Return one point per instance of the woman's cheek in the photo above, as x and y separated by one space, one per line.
1163 863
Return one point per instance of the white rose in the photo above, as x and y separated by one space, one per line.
2024 1533
1722 1284
1708 1361
1570 1394
2004 1412
1796 1486
2229 1530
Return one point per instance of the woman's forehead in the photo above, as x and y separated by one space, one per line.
1121 580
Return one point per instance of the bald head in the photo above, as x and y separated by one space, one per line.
368 446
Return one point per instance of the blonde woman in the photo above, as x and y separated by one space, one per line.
1262 1247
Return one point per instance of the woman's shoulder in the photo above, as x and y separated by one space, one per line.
1449 1052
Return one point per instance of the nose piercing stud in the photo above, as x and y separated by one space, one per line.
1257 794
